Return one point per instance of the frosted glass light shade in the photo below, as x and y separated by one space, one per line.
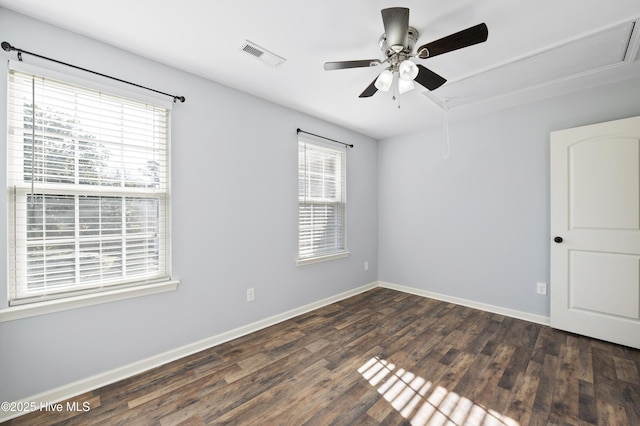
405 85
384 80
408 70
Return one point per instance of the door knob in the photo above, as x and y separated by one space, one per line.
558 240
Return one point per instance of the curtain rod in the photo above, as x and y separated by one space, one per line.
8 47
298 130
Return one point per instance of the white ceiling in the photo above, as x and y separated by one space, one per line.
535 49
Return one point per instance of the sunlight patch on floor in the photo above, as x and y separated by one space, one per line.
418 401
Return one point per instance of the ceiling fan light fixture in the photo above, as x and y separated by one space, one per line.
384 80
408 70
405 85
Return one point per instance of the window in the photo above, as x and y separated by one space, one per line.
321 201
88 182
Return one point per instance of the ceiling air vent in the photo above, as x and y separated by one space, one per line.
263 54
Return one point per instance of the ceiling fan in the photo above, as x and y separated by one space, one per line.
397 44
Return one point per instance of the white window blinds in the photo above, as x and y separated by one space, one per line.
321 200
88 178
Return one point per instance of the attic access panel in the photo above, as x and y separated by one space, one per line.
612 47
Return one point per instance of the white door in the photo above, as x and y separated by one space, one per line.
595 231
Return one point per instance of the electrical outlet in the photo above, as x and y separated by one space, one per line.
541 288
250 295
366 266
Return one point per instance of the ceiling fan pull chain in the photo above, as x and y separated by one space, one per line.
447 145
396 94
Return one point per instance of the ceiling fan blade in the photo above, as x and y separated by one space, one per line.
340 65
370 90
465 38
428 78
396 26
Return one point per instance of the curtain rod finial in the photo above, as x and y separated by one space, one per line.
179 98
7 47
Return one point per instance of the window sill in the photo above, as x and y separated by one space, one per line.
46 307
318 259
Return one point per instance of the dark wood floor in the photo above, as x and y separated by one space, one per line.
381 357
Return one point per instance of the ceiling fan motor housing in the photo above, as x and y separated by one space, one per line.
389 51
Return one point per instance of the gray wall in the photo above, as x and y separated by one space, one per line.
234 224
476 225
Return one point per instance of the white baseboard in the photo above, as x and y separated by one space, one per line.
539 319
85 385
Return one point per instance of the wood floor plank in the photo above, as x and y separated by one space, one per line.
294 394
517 364
250 386
380 411
626 369
331 388
258 407
585 362
565 402
587 413
380 357
469 380
489 377
521 398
